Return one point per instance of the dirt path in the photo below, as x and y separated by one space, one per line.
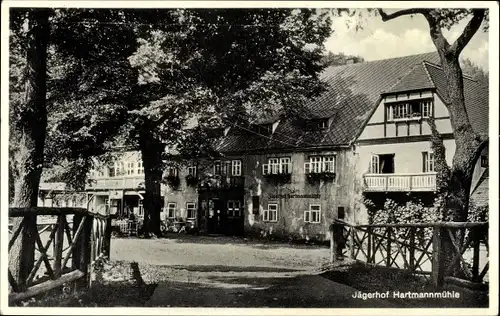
218 251
233 272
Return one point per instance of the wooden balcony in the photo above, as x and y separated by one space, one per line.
400 182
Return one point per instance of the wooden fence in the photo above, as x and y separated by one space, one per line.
79 240
418 248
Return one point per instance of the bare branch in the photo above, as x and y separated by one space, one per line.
442 45
468 32
387 17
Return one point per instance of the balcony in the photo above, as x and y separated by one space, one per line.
222 182
399 182
117 183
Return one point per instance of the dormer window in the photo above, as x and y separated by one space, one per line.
323 124
317 124
407 110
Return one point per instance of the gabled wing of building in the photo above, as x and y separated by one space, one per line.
352 95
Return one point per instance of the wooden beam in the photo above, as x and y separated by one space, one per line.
18 212
45 286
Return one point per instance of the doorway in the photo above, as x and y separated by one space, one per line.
386 163
215 216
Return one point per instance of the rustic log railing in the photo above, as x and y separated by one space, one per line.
85 240
418 248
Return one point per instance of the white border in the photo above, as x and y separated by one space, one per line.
493 177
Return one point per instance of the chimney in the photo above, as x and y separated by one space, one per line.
349 61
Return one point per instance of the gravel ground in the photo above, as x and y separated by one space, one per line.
232 252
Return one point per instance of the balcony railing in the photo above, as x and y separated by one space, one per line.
394 182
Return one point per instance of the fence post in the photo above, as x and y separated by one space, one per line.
369 252
81 252
22 250
412 248
332 244
352 244
475 258
388 246
437 257
107 238
58 246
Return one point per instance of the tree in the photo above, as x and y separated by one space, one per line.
469 143
454 182
477 73
332 59
29 124
221 66
74 85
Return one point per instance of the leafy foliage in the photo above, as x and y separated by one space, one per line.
332 59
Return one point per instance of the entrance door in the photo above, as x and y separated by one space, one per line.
215 217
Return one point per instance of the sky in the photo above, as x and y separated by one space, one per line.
402 36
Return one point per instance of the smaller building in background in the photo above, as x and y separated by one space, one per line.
57 194
118 186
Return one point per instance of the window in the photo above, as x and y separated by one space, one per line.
413 108
426 108
236 167
276 166
217 167
111 171
140 168
271 214
427 161
323 124
191 210
484 161
233 209
313 215
171 210
400 110
382 163
319 164
226 170
192 171
374 164
120 168
130 168
285 166
255 204
141 209
172 172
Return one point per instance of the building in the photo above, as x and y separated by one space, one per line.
367 135
118 185
57 194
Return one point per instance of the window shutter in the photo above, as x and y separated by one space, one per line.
424 161
265 169
307 167
374 164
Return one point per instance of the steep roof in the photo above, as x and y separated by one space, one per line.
416 79
352 95
480 194
476 97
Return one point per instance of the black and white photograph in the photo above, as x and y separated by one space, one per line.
259 158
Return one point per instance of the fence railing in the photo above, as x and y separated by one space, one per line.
437 249
64 249
400 182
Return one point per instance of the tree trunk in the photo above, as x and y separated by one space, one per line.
151 151
468 149
29 157
468 142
